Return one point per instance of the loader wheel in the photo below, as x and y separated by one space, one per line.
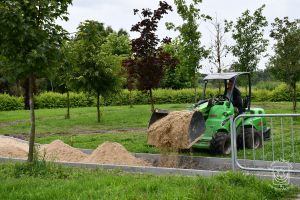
249 143
221 144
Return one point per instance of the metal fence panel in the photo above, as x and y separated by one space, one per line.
260 150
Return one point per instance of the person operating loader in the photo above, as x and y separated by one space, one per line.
234 95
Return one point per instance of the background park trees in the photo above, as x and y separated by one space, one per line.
188 46
98 65
35 50
285 64
30 41
248 34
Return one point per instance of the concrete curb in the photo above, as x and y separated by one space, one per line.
131 169
157 170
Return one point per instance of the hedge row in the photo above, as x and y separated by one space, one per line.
56 100
10 103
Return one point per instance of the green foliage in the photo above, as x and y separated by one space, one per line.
285 64
29 36
115 184
57 100
98 66
248 33
176 78
282 93
188 47
8 102
161 96
41 169
30 40
267 85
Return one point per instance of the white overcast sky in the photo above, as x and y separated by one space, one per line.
119 14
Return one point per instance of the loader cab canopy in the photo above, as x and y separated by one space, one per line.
224 76
215 85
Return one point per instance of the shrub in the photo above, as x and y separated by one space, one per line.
281 93
57 100
124 97
8 102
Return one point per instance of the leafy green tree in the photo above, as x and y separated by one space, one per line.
30 40
285 64
65 71
97 67
190 52
175 78
250 44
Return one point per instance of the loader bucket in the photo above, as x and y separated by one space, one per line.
157 115
195 127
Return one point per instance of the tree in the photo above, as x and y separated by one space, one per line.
30 40
191 51
97 69
248 33
218 48
175 78
285 64
64 72
147 63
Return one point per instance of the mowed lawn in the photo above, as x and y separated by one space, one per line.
52 121
50 181
49 121
128 126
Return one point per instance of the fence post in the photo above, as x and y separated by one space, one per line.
232 128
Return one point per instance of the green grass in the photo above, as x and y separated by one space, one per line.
82 119
51 125
280 137
50 181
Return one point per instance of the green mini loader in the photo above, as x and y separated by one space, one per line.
213 129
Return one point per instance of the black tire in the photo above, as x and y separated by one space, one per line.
220 144
249 143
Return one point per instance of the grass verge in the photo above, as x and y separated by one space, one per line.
51 181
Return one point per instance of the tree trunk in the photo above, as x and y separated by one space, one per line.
32 119
98 107
151 100
195 87
26 94
130 99
51 83
219 71
294 97
68 105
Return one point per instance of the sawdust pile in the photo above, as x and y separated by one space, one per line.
106 153
171 131
12 148
59 151
114 153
